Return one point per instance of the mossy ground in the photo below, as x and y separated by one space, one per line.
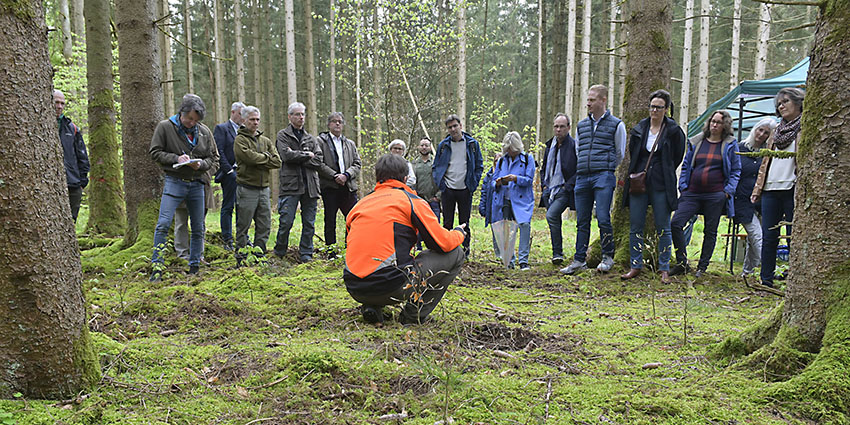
285 344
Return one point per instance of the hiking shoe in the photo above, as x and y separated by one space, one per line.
699 273
156 276
575 266
557 260
524 267
605 265
679 269
194 269
371 314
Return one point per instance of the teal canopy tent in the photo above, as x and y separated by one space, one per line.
752 100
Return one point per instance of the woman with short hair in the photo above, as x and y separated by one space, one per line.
513 192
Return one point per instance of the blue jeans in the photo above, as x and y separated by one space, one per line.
286 206
638 205
598 187
228 201
174 192
776 206
553 217
524 242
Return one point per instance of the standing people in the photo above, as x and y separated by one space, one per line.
257 157
381 232
513 192
457 169
426 188
338 175
745 209
299 182
182 139
708 182
398 147
777 178
656 146
485 204
74 154
601 146
558 180
225 134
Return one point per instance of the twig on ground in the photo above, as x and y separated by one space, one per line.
270 384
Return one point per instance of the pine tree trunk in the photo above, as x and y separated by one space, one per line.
736 45
461 61
106 191
258 71
358 55
141 111
540 28
218 95
685 96
65 24
290 54
612 59
704 46
78 23
332 60
45 349
167 70
240 51
569 85
762 39
187 31
377 77
312 103
587 8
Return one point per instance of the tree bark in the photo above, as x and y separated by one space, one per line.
187 30
377 77
539 114
587 8
612 59
167 68
141 110
461 61
290 54
762 39
704 46
736 45
685 96
78 24
312 103
332 60
106 191
65 24
218 95
240 51
258 71
45 351
357 52
569 85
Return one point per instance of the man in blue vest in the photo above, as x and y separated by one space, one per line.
224 135
600 146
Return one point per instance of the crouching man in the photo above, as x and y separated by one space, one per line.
382 229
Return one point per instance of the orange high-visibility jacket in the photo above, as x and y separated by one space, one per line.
382 230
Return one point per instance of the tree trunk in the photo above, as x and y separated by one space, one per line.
219 106
290 54
461 61
312 103
587 8
65 24
167 69
569 85
357 54
762 39
736 45
240 52
332 60
648 69
106 191
685 96
540 28
704 46
141 110
45 351
78 23
258 71
187 30
377 77
612 59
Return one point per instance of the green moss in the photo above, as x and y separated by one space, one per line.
123 257
753 338
22 9
85 360
659 41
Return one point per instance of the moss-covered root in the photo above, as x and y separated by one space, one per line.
753 338
135 256
822 390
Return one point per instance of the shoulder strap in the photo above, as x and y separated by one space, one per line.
654 145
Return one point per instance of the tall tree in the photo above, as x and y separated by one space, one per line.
45 351
587 8
358 54
218 93
258 71
762 39
736 44
164 34
332 59
540 29
240 51
106 192
141 110
461 60
292 94
569 86
187 32
704 48
612 49
65 23
78 24
312 104
687 54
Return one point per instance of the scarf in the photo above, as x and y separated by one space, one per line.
786 132
554 176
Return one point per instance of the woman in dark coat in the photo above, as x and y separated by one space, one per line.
656 145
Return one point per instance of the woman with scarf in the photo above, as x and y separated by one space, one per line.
745 209
777 177
656 147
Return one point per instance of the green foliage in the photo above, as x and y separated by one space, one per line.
487 124
769 153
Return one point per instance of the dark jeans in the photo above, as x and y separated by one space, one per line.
463 200
553 218
75 196
435 206
776 206
595 187
286 206
710 205
638 205
228 201
335 200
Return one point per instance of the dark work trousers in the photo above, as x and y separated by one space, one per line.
462 199
75 196
776 206
710 205
335 200
228 202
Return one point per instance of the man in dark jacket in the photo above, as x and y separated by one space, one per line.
186 151
224 134
257 158
74 153
338 175
457 169
299 182
558 179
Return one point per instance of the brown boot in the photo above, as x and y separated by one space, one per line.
665 277
631 274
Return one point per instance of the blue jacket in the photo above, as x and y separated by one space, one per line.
485 205
224 135
74 153
744 209
597 149
731 168
474 162
521 191
567 160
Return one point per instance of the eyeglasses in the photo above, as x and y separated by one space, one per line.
657 108
717 122
336 121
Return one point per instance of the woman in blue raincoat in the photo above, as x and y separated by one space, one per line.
513 192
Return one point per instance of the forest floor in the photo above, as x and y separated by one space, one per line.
284 343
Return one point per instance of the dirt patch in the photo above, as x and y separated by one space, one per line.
496 336
233 368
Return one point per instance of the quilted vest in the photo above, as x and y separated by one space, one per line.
596 149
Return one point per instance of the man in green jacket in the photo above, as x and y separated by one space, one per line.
257 157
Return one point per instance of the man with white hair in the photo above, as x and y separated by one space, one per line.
398 147
299 182
225 134
339 176
74 153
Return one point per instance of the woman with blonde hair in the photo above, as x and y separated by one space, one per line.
513 194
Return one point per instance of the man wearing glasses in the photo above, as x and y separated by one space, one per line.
338 175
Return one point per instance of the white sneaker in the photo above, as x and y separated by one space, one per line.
605 265
575 266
